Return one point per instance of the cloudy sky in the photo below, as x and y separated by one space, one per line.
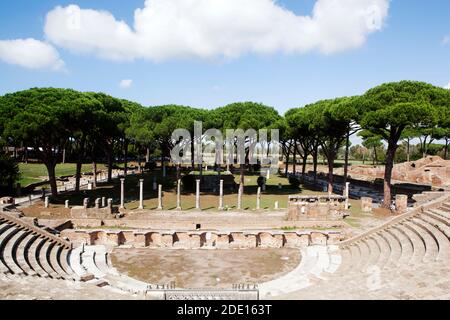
207 53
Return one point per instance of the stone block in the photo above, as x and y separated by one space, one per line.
401 203
223 241
319 239
267 240
366 204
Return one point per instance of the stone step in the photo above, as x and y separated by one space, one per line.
384 249
347 261
395 249
54 261
64 260
356 257
407 246
76 266
63 264
5 237
33 257
446 206
42 256
365 256
101 261
437 222
441 214
431 245
374 252
87 261
11 251
21 254
436 217
418 244
441 240
4 226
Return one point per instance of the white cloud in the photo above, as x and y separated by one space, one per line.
30 53
446 40
447 86
126 83
166 29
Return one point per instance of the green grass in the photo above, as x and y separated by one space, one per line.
33 172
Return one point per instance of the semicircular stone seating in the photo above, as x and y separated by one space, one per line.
26 250
412 252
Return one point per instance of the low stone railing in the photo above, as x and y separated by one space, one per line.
203 239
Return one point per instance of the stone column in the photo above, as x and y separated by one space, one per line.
66 204
221 195
240 191
277 205
179 194
85 203
268 174
103 202
401 203
160 204
258 199
141 194
110 203
346 195
46 202
366 204
97 203
122 193
197 194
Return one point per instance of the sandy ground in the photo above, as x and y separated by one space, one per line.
194 269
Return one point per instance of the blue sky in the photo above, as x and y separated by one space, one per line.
410 45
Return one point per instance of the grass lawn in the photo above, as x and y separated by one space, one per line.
34 172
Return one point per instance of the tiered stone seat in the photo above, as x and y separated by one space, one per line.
408 254
26 250
10 250
22 257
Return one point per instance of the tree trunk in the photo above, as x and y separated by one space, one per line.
408 150
94 171
286 169
446 149
330 159
315 162
242 180
78 175
139 162
79 163
392 148
193 154
125 160
305 159
375 155
64 156
147 155
110 163
294 168
347 150
52 177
